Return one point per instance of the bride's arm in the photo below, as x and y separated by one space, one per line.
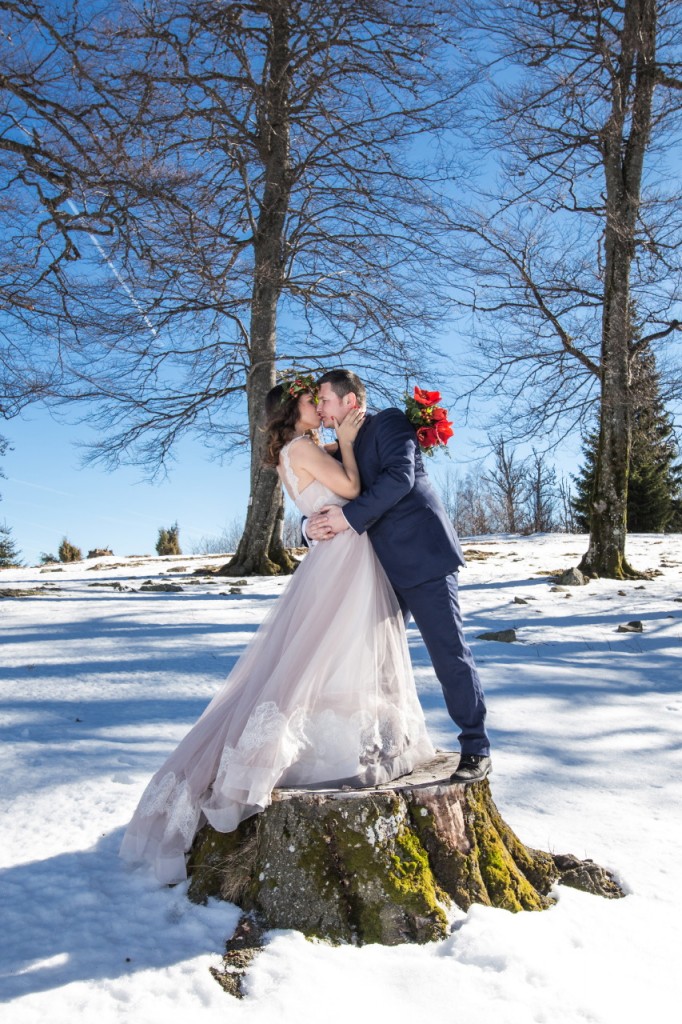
342 477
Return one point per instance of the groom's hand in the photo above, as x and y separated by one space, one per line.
329 521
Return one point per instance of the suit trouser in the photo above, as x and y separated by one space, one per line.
434 606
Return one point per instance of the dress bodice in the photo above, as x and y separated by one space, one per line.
314 495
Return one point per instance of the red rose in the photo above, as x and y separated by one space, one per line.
439 413
426 397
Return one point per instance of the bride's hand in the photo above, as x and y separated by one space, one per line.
348 430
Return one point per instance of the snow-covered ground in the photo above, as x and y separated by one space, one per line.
98 684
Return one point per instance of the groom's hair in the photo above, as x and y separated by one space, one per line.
345 382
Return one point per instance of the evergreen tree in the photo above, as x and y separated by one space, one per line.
654 502
584 483
9 554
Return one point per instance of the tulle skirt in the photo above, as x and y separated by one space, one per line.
323 694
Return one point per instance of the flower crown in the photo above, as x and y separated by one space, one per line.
294 387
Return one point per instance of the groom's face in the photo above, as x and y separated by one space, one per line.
330 405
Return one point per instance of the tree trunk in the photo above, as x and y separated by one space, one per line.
277 552
383 864
259 551
624 141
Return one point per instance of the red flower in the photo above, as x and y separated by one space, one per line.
430 421
444 431
428 437
426 397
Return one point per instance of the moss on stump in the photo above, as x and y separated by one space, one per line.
379 865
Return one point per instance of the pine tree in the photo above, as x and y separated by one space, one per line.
584 483
9 555
655 484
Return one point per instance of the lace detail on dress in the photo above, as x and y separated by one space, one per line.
291 478
265 725
171 797
157 794
184 814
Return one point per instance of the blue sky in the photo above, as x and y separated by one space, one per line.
47 494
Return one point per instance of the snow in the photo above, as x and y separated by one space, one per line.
97 686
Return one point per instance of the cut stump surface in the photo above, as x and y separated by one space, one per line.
381 864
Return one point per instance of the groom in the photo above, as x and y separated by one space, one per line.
417 547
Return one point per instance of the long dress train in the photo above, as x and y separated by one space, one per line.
324 693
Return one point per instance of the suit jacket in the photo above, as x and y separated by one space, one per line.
398 508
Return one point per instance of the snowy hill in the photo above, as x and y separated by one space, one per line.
100 676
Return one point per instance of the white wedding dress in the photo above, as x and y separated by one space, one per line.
324 693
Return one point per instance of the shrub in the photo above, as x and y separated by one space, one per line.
169 541
68 552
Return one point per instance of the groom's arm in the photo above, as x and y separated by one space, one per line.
396 444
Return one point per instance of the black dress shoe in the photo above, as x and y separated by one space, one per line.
472 768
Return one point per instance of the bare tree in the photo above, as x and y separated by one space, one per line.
224 543
543 495
474 519
508 486
58 132
4 445
467 501
514 495
268 207
567 512
291 534
449 491
585 220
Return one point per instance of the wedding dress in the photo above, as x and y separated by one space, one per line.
324 693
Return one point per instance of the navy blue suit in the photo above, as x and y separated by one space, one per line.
420 553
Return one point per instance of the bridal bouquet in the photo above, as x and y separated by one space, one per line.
430 420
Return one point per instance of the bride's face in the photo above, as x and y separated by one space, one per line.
308 416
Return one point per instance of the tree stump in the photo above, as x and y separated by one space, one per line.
381 864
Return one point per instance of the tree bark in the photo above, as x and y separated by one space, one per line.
266 519
624 144
381 865
259 552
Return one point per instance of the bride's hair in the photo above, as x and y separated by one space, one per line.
281 416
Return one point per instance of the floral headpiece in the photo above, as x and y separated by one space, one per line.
293 387
434 429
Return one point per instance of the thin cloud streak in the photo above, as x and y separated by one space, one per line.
39 487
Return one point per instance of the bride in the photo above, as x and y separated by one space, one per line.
323 694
